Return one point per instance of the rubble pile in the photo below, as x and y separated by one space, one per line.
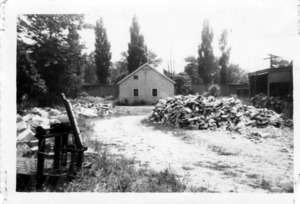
276 103
200 112
45 117
90 109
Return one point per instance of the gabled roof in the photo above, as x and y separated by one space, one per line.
141 67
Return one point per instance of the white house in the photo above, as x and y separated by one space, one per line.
147 84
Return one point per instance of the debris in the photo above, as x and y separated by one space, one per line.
21 125
201 112
54 112
45 117
278 104
26 135
23 150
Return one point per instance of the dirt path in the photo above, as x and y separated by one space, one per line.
217 161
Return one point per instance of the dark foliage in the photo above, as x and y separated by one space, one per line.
192 69
102 53
224 59
206 55
183 83
52 45
137 52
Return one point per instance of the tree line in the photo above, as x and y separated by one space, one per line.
50 58
207 68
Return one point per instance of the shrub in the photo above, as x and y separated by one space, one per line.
214 90
125 102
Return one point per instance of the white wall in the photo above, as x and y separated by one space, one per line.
148 79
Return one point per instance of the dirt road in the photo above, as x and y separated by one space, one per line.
218 161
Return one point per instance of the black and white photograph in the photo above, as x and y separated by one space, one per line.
156 98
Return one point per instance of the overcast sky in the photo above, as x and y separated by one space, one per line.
173 28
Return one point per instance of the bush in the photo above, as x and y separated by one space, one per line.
125 102
139 103
214 90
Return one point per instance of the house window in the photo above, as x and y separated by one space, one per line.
154 92
135 76
135 92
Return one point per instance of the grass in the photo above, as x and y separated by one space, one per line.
109 173
266 185
222 150
117 174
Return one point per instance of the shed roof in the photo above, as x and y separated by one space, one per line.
271 70
146 64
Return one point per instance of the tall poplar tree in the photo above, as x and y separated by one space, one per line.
137 51
206 55
102 53
224 59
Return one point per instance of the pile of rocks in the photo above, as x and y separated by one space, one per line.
89 109
26 125
279 104
200 112
45 117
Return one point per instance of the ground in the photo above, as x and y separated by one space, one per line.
218 161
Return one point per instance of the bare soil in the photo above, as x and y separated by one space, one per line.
217 161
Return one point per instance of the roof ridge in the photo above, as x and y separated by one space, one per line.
146 64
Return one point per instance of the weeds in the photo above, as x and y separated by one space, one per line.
109 173
187 168
141 102
252 176
266 185
222 150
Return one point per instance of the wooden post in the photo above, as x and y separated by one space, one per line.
78 140
73 160
80 157
73 123
40 158
268 85
57 154
64 152
255 80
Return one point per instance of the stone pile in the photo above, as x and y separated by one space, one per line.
200 112
45 117
279 104
89 109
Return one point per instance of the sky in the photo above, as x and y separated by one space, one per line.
172 29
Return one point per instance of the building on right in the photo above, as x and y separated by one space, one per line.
272 81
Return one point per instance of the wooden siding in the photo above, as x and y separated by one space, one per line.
279 77
274 80
148 79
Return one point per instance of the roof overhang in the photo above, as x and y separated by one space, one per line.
141 67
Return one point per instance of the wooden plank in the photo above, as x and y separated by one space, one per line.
28 166
73 122
76 132
50 135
